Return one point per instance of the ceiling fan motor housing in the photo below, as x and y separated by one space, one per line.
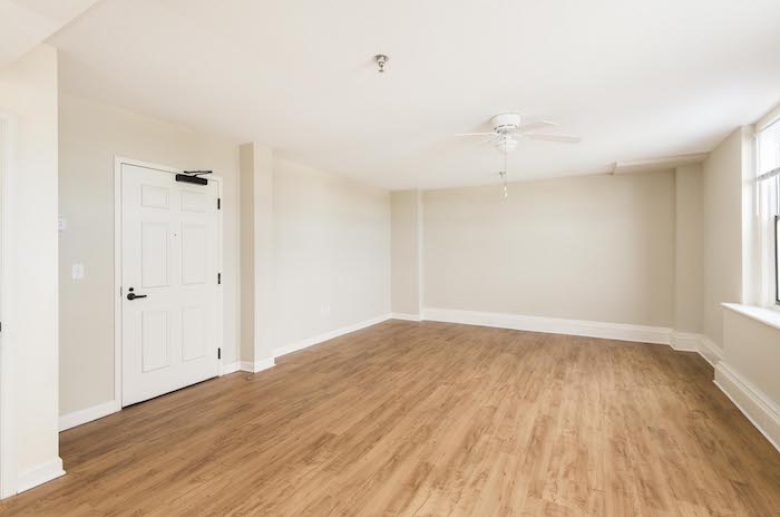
505 123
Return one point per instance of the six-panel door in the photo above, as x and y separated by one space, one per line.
169 283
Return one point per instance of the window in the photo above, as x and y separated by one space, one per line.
768 189
777 259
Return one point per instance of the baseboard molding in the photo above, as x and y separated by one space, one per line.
89 414
229 368
692 342
685 341
263 364
711 352
754 404
257 366
679 341
618 331
93 413
762 412
327 336
405 317
39 475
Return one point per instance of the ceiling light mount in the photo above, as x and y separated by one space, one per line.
381 61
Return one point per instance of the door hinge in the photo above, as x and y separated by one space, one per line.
219 353
219 203
219 278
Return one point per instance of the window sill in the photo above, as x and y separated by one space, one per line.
764 315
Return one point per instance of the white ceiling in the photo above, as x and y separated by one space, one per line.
637 80
26 23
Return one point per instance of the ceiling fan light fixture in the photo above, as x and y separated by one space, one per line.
506 144
508 129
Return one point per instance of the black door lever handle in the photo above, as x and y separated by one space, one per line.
133 296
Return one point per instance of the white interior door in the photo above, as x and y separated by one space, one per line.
169 283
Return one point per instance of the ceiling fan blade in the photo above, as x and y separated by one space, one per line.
475 134
531 126
565 139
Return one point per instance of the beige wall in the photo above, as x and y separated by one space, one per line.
247 254
28 92
748 335
329 238
332 252
405 260
92 134
751 349
597 248
722 242
265 258
688 248
257 253
748 371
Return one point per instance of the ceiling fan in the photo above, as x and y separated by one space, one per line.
508 130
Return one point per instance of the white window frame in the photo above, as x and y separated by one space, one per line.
8 471
776 234
767 209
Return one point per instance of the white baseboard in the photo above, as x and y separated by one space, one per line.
762 412
89 414
692 342
263 364
711 352
229 368
754 404
618 331
679 341
405 317
685 341
257 366
327 336
39 475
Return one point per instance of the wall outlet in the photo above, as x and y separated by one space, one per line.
62 224
77 271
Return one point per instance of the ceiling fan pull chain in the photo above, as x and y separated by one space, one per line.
503 175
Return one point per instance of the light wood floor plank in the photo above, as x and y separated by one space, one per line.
428 419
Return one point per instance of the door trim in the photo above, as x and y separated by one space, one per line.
8 467
118 162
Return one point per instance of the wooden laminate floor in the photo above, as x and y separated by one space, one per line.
408 419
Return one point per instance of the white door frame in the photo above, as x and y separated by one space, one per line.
8 467
118 162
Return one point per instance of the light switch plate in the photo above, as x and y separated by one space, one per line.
77 271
